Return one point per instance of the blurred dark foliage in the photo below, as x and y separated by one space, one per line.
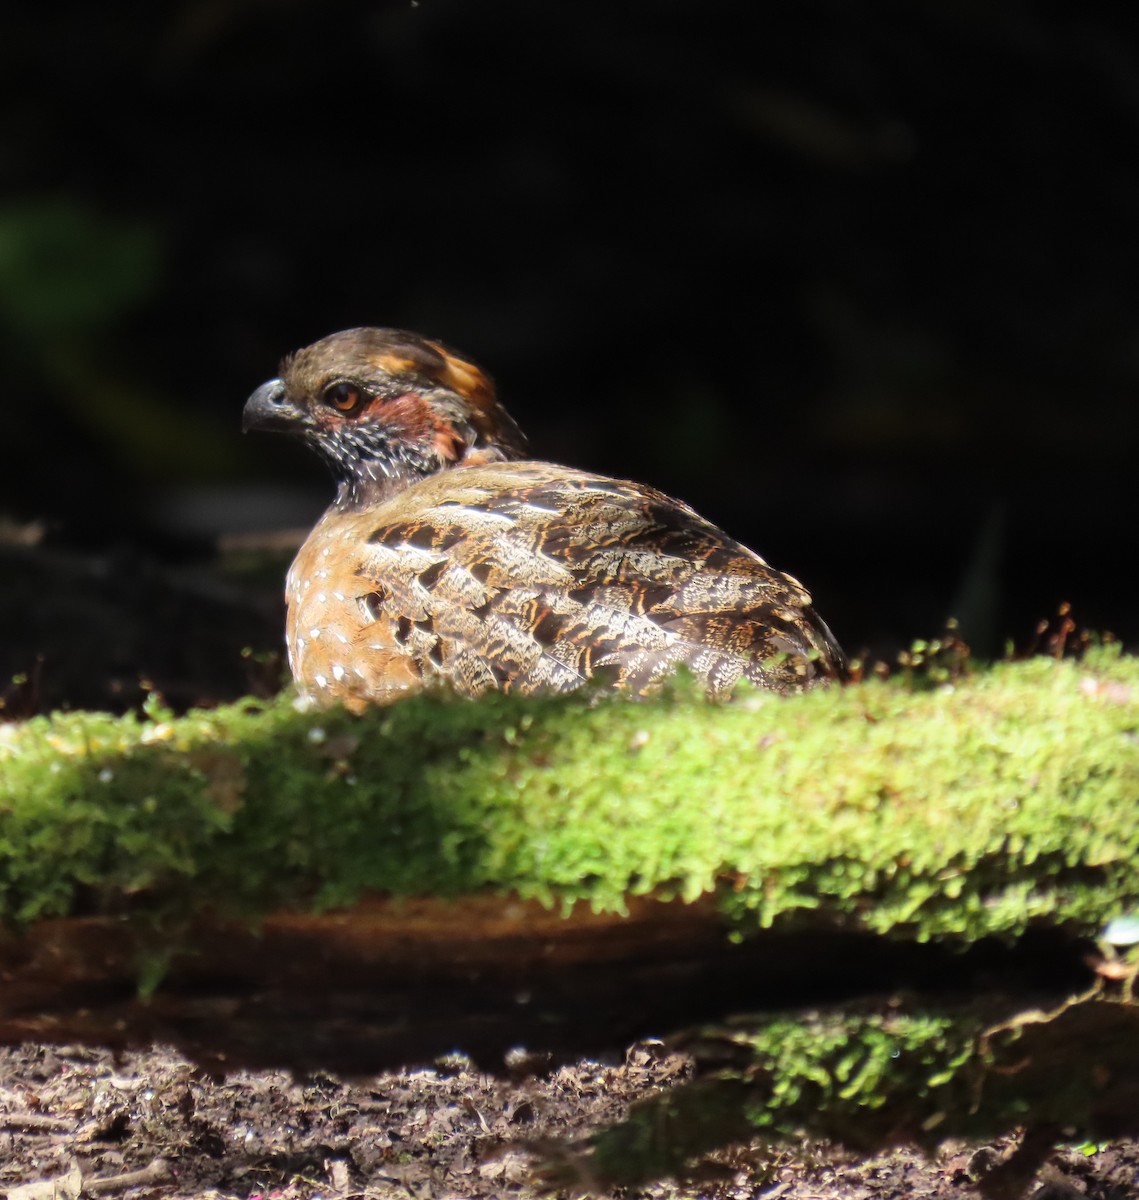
857 281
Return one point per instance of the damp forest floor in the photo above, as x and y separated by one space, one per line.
150 1124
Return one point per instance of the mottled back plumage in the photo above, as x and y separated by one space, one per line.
446 558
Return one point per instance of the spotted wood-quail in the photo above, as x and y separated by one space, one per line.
449 555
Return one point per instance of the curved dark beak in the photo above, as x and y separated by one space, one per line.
270 408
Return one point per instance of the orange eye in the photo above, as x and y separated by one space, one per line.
342 396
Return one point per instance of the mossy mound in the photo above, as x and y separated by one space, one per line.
956 810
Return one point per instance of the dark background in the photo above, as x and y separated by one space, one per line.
858 281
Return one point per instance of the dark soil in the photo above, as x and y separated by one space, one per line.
151 1124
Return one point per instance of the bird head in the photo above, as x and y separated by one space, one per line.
385 408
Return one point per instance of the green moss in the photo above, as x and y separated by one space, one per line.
954 811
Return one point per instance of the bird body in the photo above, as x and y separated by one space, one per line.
448 557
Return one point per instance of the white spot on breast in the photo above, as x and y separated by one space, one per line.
314 632
342 639
321 680
301 643
338 595
337 672
321 597
324 552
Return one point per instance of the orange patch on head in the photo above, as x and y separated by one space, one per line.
464 377
396 364
440 365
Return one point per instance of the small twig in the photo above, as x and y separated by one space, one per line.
34 1123
157 1171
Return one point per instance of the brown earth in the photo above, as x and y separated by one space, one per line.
151 1124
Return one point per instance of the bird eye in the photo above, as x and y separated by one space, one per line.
342 396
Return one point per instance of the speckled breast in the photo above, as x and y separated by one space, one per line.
337 649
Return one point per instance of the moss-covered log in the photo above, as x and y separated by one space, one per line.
259 883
